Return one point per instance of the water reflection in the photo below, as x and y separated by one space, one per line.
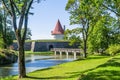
33 62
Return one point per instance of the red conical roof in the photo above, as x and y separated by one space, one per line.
58 29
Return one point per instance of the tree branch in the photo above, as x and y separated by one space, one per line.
13 15
6 7
26 20
16 7
22 15
111 10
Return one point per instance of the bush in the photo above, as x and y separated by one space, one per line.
113 49
7 56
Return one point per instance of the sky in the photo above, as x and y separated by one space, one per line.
46 15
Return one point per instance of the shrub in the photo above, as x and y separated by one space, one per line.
113 49
7 56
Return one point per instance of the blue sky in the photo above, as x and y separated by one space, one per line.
45 17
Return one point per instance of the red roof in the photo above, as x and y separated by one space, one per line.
58 29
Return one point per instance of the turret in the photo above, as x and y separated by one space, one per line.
58 32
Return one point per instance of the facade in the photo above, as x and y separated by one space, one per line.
45 46
58 32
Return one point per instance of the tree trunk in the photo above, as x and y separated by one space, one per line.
84 42
22 70
85 49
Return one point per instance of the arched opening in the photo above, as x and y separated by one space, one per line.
50 47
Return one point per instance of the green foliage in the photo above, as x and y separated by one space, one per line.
7 51
100 36
7 56
1 43
94 19
115 32
113 49
6 38
73 35
99 28
84 13
9 39
2 55
113 6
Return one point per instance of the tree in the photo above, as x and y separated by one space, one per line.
100 37
115 32
113 7
91 16
73 35
1 40
5 28
19 10
84 13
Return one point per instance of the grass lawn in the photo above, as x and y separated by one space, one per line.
93 68
107 71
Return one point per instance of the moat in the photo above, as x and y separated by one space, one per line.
34 62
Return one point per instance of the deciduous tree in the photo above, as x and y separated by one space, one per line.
19 10
100 37
84 13
5 28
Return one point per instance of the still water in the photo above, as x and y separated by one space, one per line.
33 62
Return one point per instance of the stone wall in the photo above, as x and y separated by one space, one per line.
45 46
27 46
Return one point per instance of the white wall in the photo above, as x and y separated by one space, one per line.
58 37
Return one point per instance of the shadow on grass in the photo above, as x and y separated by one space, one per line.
97 57
102 74
113 62
92 57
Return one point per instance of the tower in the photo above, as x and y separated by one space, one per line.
58 32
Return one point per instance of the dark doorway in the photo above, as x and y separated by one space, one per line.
50 47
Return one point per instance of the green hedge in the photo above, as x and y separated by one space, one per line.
113 49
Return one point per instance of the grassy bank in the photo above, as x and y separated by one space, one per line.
7 56
40 53
93 68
